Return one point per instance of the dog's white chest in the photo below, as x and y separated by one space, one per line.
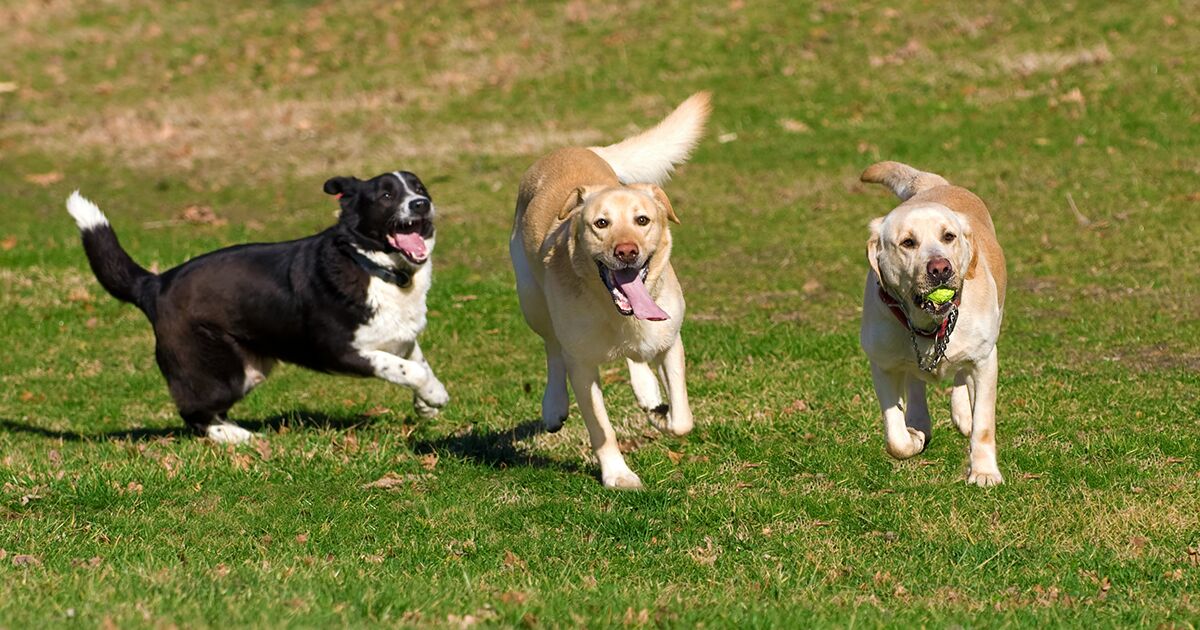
398 315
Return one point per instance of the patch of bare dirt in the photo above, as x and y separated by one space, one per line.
1055 61
298 137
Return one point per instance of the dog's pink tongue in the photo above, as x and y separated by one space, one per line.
411 244
629 281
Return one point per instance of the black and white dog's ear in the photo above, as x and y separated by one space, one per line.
342 186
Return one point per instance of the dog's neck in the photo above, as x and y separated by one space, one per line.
382 266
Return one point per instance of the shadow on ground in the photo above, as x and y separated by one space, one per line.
498 449
292 420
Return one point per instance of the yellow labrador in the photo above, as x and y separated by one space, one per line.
591 249
940 237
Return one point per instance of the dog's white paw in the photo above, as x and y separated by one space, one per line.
963 422
228 433
984 478
680 424
423 410
621 479
433 393
911 444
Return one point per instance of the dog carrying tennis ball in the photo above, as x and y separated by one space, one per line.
940 296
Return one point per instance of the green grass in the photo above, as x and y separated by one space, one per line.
772 513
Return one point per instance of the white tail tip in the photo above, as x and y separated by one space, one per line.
903 179
649 157
87 215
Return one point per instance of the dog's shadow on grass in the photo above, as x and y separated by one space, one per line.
292 419
497 449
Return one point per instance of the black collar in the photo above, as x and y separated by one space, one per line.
400 277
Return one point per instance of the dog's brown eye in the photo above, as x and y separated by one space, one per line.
601 223
949 237
908 243
643 220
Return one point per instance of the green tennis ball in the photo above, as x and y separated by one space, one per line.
940 296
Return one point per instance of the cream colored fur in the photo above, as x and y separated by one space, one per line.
555 247
932 210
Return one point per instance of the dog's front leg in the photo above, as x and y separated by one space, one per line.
902 442
394 369
984 471
585 381
672 367
431 396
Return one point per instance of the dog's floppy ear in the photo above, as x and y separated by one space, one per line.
342 186
968 238
873 246
577 198
660 197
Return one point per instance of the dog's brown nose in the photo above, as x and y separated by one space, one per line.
626 252
939 269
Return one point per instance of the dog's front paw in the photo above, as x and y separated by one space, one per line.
912 443
430 398
621 479
433 393
423 410
984 478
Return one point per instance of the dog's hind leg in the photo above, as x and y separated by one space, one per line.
902 442
671 367
614 472
555 402
961 405
916 409
218 429
206 376
647 392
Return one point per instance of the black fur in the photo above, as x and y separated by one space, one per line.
298 301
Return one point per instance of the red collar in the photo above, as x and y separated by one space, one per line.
894 307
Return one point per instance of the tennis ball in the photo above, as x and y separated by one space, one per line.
940 296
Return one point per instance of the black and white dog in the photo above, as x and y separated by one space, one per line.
349 300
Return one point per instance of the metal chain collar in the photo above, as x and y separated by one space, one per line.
929 363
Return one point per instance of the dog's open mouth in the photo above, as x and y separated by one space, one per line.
932 307
627 287
408 237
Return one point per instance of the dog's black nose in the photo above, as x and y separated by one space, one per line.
939 269
419 206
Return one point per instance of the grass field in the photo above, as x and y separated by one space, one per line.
1078 122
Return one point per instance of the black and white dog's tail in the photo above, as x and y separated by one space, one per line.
118 274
